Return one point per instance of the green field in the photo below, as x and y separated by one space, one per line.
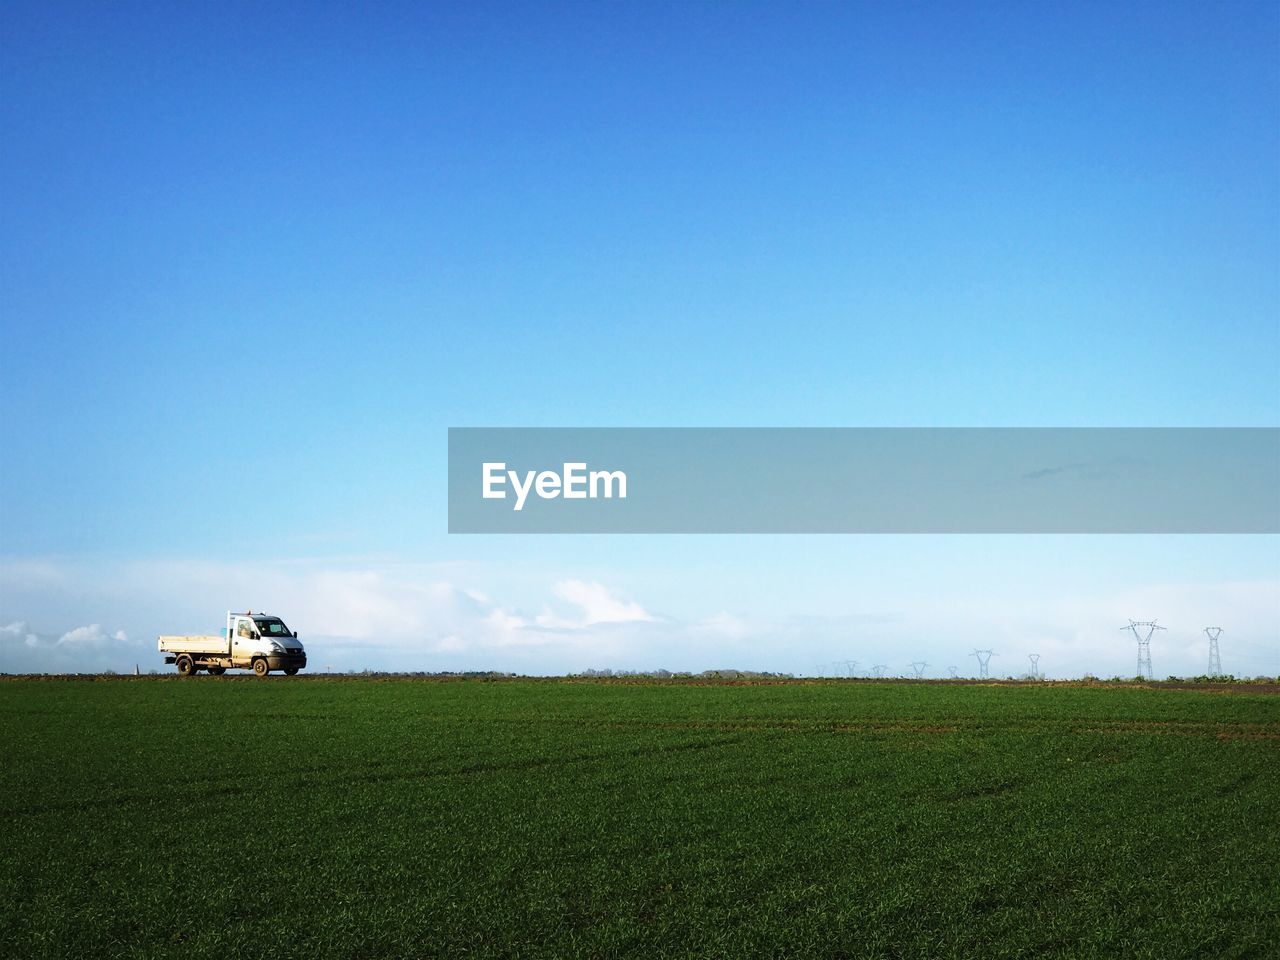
360 818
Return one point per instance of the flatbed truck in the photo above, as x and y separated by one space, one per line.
250 641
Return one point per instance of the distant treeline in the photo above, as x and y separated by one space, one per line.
728 676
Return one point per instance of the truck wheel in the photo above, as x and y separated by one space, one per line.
185 667
261 667
217 671
291 671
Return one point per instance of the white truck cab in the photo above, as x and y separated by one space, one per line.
250 641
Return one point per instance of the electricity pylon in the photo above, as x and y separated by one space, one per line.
954 673
1215 658
1035 665
918 666
984 658
850 666
878 670
1142 631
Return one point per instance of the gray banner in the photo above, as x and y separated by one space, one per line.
874 480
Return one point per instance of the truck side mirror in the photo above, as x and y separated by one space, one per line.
295 634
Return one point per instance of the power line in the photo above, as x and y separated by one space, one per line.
984 658
1142 631
1215 658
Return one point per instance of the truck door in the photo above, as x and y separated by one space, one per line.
243 643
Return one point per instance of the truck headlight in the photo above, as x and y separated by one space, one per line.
276 648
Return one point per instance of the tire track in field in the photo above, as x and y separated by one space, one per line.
1224 730
310 780
737 731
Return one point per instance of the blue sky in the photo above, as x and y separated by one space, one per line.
255 262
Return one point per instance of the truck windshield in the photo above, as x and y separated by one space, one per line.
272 627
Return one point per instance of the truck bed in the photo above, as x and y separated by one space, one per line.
202 644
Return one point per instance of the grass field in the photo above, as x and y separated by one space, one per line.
360 818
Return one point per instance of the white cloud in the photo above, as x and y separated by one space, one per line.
93 636
18 631
87 649
596 604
